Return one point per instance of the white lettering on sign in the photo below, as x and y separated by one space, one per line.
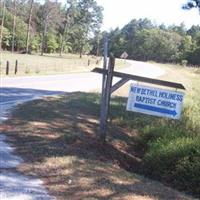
155 101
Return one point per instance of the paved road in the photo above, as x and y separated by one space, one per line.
76 82
20 89
15 186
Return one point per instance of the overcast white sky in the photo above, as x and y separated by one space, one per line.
117 13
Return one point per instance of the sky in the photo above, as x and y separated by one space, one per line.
118 13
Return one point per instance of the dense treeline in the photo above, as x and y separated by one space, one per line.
49 27
144 41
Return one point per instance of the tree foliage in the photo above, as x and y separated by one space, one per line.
51 26
144 41
75 28
192 4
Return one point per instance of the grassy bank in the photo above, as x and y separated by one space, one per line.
50 64
57 138
171 148
172 152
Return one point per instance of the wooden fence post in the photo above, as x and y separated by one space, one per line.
16 67
7 68
88 62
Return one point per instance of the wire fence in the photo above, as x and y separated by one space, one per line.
26 65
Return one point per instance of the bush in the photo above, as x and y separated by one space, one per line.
174 158
184 62
187 174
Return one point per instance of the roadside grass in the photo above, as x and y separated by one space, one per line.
50 64
171 148
58 140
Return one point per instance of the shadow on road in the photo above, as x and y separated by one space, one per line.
11 94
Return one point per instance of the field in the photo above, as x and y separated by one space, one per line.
50 64
58 139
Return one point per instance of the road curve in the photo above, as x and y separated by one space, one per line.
77 81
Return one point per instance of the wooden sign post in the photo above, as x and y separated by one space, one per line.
105 97
103 93
109 89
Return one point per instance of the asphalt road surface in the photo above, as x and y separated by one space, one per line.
19 89
15 186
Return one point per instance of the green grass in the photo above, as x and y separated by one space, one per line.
50 64
171 148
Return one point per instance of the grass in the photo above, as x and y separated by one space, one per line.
50 64
57 137
171 148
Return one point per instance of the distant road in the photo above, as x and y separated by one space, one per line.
77 81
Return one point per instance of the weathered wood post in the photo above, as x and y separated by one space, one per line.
102 111
16 67
7 68
109 83
106 98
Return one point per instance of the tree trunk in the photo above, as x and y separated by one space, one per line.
14 26
81 51
62 39
97 53
44 37
2 23
29 25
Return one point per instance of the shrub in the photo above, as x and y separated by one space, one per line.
187 174
175 158
184 62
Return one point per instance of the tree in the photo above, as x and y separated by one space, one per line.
129 32
193 31
181 29
193 56
117 42
2 23
7 36
87 21
192 4
157 45
66 27
52 43
14 25
29 25
20 34
35 43
49 17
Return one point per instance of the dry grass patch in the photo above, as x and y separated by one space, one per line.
50 64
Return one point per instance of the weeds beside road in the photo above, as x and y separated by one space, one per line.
171 148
